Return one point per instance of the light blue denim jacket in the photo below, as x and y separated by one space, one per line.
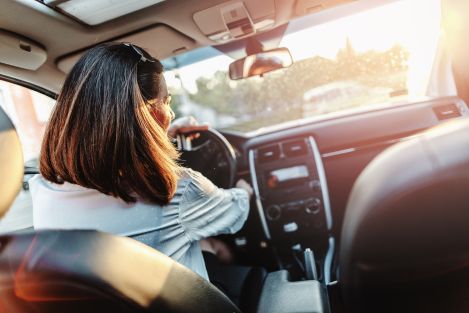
198 210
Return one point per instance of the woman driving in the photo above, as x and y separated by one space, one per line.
108 164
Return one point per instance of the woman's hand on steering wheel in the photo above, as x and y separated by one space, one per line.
185 124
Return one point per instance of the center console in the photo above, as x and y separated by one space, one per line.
291 195
280 295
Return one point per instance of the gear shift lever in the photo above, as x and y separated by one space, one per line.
310 265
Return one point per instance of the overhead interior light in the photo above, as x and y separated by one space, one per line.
94 12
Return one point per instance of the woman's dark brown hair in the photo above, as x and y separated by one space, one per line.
102 134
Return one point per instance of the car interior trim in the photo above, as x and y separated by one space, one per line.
255 186
338 152
328 261
322 181
367 146
28 85
394 121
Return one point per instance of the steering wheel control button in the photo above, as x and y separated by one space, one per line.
313 206
290 227
273 212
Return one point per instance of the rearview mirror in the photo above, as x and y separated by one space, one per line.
260 63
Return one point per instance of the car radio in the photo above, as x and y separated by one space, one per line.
291 193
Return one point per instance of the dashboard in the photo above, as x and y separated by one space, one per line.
303 174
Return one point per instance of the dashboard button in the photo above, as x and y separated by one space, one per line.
297 247
273 212
290 227
295 205
315 185
313 206
240 241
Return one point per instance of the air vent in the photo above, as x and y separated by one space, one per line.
269 153
447 111
295 148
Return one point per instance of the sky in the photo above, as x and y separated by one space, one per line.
415 24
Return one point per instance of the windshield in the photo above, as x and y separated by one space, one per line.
376 56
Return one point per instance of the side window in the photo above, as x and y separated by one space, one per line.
29 111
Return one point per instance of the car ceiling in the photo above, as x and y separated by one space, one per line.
62 36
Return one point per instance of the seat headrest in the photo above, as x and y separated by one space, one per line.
87 271
406 221
11 163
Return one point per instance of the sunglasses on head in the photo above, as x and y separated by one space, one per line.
140 53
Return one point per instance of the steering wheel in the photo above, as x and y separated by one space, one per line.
209 153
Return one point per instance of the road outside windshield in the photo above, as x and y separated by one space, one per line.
373 57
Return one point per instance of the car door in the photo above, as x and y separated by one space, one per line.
29 111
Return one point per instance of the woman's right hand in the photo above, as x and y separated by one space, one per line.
185 124
245 185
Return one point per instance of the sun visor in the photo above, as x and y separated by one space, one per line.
235 19
160 41
20 52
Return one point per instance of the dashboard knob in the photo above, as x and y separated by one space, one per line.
315 185
273 212
313 206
